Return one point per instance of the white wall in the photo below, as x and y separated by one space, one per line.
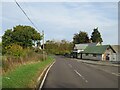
79 55
115 57
90 56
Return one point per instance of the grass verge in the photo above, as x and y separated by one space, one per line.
25 76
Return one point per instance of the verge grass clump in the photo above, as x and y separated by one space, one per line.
16 55
25 76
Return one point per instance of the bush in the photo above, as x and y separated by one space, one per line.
15 50
16 55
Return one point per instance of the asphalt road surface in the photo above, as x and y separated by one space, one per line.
68 73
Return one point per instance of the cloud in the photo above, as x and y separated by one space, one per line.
61 20
61 0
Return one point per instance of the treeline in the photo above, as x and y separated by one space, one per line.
21 36
58 47
82 37
65 47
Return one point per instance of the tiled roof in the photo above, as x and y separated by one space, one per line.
83 46
96 49
116 48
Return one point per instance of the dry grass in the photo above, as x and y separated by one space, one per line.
10 62
25 76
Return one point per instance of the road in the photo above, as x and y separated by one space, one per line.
68 73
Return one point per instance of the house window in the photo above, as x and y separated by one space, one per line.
94 55
86 54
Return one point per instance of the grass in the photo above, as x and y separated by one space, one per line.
24 76
0 82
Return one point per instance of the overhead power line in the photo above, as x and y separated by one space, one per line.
29 19
26 14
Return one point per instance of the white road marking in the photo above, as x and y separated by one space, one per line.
41 85
116 74
70 65
86 81
80 75
42 74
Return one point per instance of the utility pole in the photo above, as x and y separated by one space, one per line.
43 45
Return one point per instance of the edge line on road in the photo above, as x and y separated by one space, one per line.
42 83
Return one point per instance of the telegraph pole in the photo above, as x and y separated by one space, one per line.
43 45
43 39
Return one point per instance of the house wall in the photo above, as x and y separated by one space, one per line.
115 57
79 55
118 56
90 56
112 56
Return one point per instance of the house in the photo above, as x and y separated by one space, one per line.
78 48
101 52
117 54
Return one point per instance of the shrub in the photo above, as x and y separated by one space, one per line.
16 55
15 50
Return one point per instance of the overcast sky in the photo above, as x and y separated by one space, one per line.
61 20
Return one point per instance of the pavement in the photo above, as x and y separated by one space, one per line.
70 73
103 63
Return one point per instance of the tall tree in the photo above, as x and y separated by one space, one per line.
25 36
7 38
96 36
81 37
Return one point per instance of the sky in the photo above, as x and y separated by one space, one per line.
61 20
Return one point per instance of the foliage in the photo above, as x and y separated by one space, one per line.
25 76
6 40
0 43
25 36
17 46
96 36
61 47
15 50
0 48
15 57
81 37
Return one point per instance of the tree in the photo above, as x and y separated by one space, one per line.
96 36
60 47
6 40
25 36
81 37
0 48
51 47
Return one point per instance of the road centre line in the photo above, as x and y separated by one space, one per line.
80 75
116 74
